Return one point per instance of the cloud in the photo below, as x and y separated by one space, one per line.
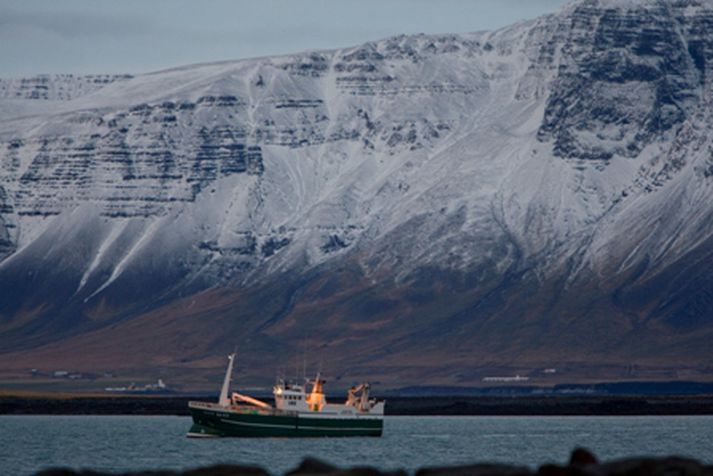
72 24
85 36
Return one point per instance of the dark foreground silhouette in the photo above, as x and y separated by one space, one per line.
582 463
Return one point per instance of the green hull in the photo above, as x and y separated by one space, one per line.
257 423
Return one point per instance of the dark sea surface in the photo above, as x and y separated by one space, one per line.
123 443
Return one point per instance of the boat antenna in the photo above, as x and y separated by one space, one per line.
304 367
304 358
297 367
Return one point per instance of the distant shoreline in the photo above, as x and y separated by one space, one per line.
69 404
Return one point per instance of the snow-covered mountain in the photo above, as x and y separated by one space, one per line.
436 207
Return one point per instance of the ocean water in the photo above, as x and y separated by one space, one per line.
124 443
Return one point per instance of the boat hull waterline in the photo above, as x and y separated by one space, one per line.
215 421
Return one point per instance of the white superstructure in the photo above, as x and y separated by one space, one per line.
289 396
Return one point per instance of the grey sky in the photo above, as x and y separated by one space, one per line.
83 36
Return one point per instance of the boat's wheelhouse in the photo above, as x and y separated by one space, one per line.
290 397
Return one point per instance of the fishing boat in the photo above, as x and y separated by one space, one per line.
296 412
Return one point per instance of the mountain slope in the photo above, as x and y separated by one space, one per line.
423 207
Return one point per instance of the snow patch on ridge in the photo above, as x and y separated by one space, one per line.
555 142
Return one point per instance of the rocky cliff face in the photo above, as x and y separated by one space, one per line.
438 207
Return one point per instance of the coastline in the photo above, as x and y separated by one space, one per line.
98 404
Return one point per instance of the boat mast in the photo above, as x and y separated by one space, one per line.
224 401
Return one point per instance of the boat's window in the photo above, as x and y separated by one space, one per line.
292 403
